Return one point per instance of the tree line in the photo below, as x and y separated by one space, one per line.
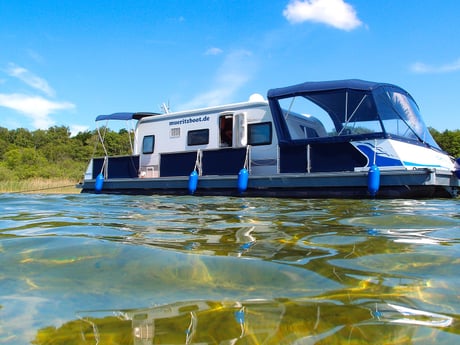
55 153
448 140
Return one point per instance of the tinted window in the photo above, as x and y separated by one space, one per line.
148 144
309 132
198 137
260 134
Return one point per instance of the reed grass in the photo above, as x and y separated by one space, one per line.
39 185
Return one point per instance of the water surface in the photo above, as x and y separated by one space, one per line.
105 269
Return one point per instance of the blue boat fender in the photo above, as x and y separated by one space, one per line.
193 182
99 183
373 180
239 316
457 167
243 177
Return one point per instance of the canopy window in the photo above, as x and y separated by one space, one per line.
349 107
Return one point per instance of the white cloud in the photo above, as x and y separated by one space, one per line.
420 67
213 51
36 108
30 79
336 13
236 70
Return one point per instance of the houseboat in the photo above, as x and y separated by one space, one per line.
330 139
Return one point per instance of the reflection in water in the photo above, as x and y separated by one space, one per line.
170 270
254 322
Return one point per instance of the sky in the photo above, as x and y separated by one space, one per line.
63 62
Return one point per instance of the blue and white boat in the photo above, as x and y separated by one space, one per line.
340 139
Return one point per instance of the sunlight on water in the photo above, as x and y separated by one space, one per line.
99 269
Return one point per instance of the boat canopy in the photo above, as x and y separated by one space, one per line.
120 116
340 98
124 116
318 86
355 107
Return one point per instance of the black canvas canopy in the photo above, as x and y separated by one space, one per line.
340 98
374 106
321 86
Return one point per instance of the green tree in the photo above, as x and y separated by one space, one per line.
449 140
20 137
116 144
40 138
4 143
26 163
59 134
84 138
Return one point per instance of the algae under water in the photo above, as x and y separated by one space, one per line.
109 269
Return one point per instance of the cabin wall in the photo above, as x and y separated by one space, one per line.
186 133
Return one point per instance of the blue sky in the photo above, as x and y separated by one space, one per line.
64 62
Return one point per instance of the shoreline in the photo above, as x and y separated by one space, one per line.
40 185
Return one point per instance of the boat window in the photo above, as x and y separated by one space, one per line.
198 137
358 114
148 144
305 119
309 132
401 117
260 133
383 111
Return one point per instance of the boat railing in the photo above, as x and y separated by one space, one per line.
317 156
223 161
116 166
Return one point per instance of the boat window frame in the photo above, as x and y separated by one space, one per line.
193 135
151 145
269 136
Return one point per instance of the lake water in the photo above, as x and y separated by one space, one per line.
105 269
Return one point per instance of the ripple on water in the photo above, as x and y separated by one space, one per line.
312 270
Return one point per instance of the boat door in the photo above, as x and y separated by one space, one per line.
149 166
232 130
240 136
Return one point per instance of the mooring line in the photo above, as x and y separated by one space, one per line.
39 189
